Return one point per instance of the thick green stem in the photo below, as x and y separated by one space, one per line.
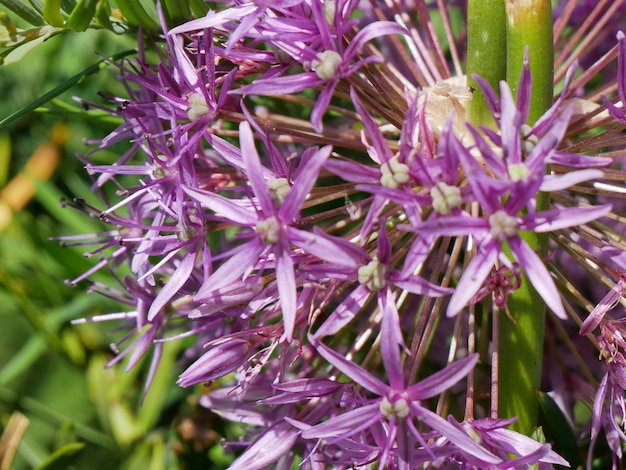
486 53
529 25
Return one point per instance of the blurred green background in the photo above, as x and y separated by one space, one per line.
54 387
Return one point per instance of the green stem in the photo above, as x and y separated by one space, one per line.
529 25
486 53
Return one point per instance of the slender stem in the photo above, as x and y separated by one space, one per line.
529 26
486 53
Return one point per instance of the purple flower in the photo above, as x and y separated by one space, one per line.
268 215
506 189
390 417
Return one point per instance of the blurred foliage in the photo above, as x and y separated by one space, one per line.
59 406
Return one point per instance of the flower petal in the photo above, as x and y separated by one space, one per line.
473 276
538 275
349 368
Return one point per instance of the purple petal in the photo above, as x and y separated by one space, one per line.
321 105
576 160
608 302
218 361
309 387
242 261
224 207
286 280
372 130
175 283
344 313
270 446
417 285
524 88
212 19
453 225
305 179
510 124
559 182
491 97
555 219
352 171
473 277
345 424
538 275
334 250
349 368
254 169
391 339
284 85
454 435
442 380
371 31
523 446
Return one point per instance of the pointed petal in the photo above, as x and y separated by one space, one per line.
353 171
371 129
237 264
391 339
473 277
538 275
442 380
213 19
306 177
286 84
254 169
345 424
334 250
417 285
555 219
270 446
286 281
321 105
454 435
349 368
175 283
608 302
562 181
344 313
223 207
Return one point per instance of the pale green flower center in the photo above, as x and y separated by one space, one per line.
326 64
528 141
279 187
372 275
269 229
445 197
397 408
518 172
393 173
502 225
197 106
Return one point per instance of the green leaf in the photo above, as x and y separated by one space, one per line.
61 458
94 68
23 11
52 13
103 14
176 12
559 429
82 14
139 13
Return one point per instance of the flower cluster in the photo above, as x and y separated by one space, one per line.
301 194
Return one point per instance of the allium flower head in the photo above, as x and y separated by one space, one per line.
304 199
